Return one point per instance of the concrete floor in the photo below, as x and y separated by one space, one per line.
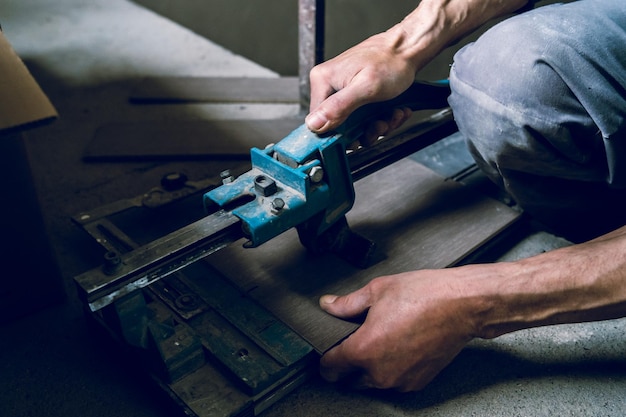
86 54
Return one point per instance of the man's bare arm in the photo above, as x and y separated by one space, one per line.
385 65
417 322
584 282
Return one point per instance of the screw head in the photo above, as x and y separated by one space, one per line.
316 174
226 177
173 181
187 302
278 204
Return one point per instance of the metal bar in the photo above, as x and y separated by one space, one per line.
311 20
141 267
385 152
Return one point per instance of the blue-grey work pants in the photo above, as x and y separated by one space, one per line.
541 100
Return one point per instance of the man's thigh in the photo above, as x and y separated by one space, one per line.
541 99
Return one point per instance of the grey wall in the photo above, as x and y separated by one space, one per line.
267 32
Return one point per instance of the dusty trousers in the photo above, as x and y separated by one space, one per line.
541 100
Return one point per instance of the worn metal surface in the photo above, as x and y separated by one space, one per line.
311 19
194 324
144 265
210 330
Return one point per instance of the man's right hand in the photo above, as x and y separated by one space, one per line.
383 66
374 70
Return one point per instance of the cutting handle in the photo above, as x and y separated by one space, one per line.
419 96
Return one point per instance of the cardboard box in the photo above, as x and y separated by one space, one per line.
29 275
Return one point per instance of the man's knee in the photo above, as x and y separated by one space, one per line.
541 106
502 68
514 108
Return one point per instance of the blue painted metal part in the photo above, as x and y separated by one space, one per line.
293 164
306 175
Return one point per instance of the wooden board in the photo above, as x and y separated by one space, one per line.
155 90
418 219
185 139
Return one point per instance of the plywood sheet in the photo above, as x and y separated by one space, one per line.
418 219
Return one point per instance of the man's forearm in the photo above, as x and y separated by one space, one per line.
384 65
584 282
435 24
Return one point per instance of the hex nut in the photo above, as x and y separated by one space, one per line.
226 177
265 185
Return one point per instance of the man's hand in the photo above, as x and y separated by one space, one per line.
375 70
415 324
383 66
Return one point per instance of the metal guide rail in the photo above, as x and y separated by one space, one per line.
215 351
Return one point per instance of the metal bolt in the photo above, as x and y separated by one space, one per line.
243 353
278 204
226 177
112 263
316 174
187 301
173 181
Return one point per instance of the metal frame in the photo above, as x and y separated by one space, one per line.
311 27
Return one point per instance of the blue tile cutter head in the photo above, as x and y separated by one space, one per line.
305 181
